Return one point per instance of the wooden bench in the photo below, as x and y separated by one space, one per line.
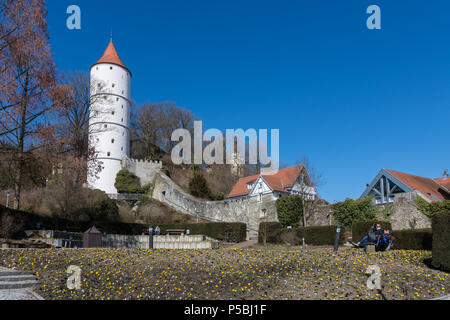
174 231
370 247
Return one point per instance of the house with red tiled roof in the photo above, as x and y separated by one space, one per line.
389 183
283 182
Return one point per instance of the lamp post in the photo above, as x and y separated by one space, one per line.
336 239
7 199
150 237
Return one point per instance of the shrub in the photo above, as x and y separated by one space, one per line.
229 232
269 232
315 235
30 221
127 182
217 196
179 218
432 208
10 224
289 210
361 229
165 170
26 208
320 235
198 186
349 211
420 239
441 241
96 206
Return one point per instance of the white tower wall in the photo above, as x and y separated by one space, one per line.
109 122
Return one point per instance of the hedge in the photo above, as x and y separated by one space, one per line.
420 239
221 231
31 220
315 235
224 231
361 229
441 241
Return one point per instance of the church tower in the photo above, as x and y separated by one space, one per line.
109 120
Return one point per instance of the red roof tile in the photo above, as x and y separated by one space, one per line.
279 181
444 182
428 187
111 56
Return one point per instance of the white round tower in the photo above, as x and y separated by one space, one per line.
109 121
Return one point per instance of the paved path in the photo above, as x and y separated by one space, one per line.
447 297
244 245
19 294
16 285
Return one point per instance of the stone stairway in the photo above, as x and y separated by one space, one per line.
13 279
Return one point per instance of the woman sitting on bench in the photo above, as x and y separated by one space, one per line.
376 236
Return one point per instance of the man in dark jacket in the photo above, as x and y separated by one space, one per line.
374 236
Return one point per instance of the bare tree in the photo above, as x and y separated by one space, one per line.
154 124
28 88
311 179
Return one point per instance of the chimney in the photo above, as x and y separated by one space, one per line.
445 174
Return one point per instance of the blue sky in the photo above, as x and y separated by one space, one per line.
353 100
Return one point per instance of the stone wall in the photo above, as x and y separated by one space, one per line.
145 170
241 210
246 210
319 214
406 215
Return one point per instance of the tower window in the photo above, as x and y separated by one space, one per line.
123 133
117 99
123 92
122 148
109 154
112 140
113 85
98 139
122 106
110 68
113 113
122 119
106 126
105 97
98 85
97 68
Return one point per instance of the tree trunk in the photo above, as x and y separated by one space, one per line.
20 147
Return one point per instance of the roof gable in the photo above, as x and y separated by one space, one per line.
278 180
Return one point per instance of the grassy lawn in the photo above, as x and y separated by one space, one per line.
266 273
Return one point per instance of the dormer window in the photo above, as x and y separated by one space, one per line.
249 186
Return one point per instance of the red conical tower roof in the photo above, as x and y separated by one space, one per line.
111 56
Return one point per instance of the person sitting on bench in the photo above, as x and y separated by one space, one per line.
385 242
374 237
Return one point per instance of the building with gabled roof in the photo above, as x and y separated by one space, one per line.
293 180
388 183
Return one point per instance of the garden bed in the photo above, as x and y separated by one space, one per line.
248 274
